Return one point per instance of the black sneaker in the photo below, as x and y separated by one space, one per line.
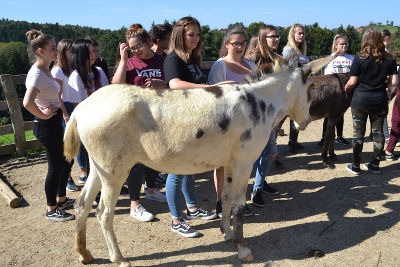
184 229
66 204
321 143
161 179
247 211
256 197
353 169
59 215
218 208
372 168
200 214
97 198
342 141
391 157
269 190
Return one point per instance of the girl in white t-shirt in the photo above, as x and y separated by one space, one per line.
341 64
85 77
42 99
61 72
83 81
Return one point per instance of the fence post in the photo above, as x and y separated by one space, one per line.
14 107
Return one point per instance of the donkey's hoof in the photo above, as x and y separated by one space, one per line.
125 264
245 254
86 259
228 236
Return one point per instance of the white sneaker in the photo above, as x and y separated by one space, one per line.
141 214
156 195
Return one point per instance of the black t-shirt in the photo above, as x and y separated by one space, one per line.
175 67
370 92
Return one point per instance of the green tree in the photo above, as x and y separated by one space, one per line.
211 43
254 28
319 41
13 58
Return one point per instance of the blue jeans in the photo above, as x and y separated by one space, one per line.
264 162
82 156
173 193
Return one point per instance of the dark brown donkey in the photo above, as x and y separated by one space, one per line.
329 100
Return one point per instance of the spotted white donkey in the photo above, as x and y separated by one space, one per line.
184 132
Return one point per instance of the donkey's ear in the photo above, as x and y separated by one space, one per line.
306 72
318 64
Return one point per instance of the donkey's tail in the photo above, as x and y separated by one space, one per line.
71 139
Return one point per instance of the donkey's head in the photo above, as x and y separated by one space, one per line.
301 87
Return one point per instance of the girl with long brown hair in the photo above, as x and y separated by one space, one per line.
368 76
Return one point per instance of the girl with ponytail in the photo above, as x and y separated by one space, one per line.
43 100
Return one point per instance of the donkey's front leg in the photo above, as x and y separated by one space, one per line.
111 187
239 187
329 138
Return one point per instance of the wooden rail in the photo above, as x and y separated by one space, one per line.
17 126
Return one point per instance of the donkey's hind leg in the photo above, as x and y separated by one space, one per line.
82 208
111 187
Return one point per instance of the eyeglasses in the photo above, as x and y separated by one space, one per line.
137 47
276 37
239 44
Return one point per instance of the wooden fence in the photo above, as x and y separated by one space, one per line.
17 126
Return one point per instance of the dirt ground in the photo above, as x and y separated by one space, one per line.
353 220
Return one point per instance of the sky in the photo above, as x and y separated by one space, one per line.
114 14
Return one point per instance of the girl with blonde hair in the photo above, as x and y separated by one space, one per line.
368 76
341 64
295 53
265 52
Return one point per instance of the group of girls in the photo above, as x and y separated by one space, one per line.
172 60
51 97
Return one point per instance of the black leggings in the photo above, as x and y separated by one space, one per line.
135 180
339 127
50 133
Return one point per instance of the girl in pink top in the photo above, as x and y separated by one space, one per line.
43 100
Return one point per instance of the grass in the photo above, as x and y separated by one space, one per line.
8 139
